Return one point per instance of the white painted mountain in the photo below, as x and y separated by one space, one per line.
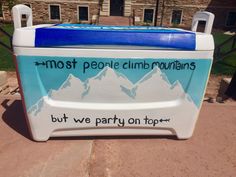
71 90
36 108
107 86
155 86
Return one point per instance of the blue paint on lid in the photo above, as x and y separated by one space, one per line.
77 34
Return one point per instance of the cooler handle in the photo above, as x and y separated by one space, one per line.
18 11
203 16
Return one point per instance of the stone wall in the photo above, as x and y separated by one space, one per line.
189 8
187 15
6 12
69 11
127 8
105 11
139 13
144 2
221 15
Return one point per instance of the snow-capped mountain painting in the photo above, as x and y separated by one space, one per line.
72 89
155 86
109 86
160 98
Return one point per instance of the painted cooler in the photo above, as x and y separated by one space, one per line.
87 80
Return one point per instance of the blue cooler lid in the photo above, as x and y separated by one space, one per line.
63 35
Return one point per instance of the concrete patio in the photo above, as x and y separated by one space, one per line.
210 152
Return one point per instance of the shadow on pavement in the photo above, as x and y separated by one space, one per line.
117 137
14 117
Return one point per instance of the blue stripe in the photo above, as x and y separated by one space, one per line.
87 35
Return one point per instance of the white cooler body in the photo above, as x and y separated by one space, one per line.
93 90
89 92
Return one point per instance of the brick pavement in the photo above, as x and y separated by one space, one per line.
210 152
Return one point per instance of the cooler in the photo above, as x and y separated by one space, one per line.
87 80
